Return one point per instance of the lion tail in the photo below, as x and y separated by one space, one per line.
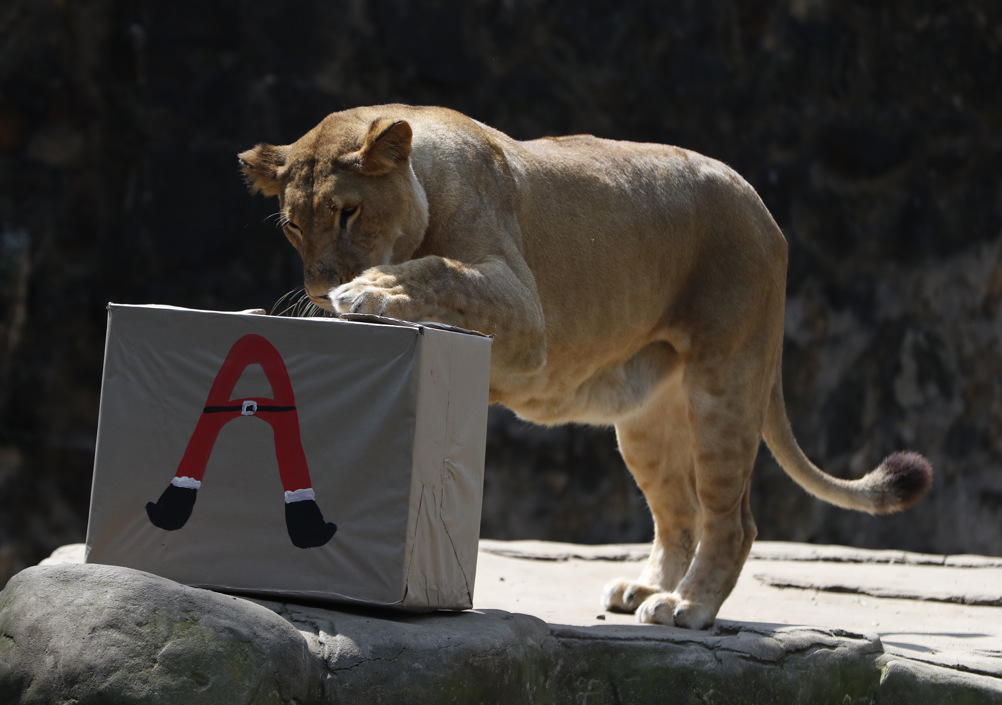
895 485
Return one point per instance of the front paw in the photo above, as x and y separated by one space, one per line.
376 294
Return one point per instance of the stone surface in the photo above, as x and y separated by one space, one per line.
943 610
89 633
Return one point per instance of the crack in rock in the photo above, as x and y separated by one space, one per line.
885 593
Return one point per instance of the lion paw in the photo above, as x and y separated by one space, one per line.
670 609
380 295
626 595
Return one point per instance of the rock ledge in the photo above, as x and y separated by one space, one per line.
92 633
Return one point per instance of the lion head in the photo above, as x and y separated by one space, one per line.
348 197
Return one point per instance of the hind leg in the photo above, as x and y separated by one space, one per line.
726 413
656 445
712 574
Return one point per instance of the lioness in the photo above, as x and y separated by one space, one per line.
634 285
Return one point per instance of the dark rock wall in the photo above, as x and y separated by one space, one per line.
872 131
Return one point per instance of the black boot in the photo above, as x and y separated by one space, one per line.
306 524
173 509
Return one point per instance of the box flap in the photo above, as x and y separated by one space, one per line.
373 318
385 320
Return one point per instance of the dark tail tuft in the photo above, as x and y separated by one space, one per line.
907 476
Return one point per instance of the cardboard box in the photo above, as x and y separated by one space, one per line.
230 446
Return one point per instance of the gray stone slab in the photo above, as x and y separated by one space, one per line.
90 634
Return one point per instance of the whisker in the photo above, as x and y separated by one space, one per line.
288 302
315 311
281 218
297 304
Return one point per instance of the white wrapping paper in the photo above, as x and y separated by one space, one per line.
377 428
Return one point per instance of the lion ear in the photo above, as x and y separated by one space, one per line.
387 144
260 166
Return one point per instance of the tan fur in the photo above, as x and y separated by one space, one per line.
634 285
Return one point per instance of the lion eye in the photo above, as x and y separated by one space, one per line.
292 232
346 213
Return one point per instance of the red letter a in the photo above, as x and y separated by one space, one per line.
305 523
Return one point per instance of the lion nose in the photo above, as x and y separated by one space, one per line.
320 279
